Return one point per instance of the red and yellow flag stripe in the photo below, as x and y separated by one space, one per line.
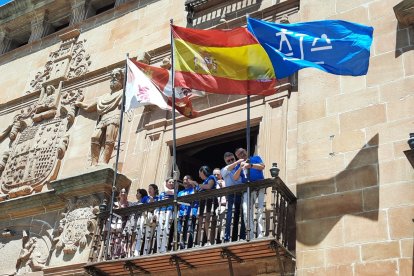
221 61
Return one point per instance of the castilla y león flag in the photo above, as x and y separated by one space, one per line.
222 61
152 85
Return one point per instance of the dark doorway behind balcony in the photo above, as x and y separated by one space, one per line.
191 157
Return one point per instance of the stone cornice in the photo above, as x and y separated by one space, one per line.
98 180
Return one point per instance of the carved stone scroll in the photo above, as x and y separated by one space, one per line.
69 61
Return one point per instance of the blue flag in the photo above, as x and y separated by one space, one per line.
334 46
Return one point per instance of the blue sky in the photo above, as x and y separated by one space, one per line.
3 2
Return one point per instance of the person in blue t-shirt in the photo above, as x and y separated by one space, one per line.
207 207
187 215
250 170
164 215
142 196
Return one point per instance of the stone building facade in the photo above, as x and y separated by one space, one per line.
340 142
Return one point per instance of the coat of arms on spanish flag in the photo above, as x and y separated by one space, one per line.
222 61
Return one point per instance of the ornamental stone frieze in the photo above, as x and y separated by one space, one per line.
38 141
70 61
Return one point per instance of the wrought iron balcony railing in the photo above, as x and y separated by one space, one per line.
148 229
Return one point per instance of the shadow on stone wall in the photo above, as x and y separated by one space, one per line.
354 191
404 37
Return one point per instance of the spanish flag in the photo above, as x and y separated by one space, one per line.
222 61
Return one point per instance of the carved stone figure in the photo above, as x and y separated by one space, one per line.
109 108
47 104
77 225
33 255
38 141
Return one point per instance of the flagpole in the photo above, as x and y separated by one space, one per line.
174 139
248 226
111 208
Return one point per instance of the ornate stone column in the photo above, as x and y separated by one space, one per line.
5 41
40 26
81 9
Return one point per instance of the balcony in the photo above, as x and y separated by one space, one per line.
143 240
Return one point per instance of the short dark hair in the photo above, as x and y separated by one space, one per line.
142 192
227 154
205 170
155 187
188 176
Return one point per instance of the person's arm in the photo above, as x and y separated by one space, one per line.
259 166
236 174
92 107
207 186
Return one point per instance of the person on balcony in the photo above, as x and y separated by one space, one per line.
149 224
135 221
253 166
164 215
142 196
233 200
222 202
207 207
187 215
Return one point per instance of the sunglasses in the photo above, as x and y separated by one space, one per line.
230 160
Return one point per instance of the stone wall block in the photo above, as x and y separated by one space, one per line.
363 117
386 268
348 141
397 90
352 101
327 271
405 266
320 233
342 255
358 178
384 68
330 206
407 248
366 227
312 258
317 129
400 220
380 251
311 111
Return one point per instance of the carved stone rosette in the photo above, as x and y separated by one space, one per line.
77 225
69 61
39 140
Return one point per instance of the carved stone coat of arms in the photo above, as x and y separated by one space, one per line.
38 141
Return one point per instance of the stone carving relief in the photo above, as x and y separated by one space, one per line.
77 225
69 61
33 255
38 141
109 108
80 62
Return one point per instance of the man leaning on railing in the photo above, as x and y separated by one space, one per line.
256 166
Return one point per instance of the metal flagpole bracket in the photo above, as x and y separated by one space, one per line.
275 247
93 271
175 260
226 253
133 267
